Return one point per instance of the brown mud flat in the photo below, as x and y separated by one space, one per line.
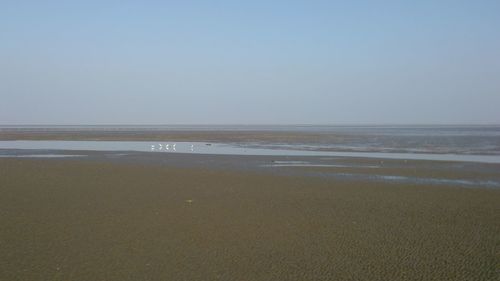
84 220
154 135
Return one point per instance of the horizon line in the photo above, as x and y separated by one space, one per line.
253 124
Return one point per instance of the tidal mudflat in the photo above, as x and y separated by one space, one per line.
87 219
136 215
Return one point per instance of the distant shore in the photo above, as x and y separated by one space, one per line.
158 135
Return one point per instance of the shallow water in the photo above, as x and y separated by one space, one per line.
457 139
227 149
420 180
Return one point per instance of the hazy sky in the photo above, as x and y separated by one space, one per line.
275 62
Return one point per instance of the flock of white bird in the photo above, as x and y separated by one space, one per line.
167 147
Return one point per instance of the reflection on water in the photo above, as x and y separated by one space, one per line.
421 180
309 164
229 149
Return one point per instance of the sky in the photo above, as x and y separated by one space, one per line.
249 62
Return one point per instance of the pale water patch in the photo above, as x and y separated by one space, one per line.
290 162
309 164
418 180
230 149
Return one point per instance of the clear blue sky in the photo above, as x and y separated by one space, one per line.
259 62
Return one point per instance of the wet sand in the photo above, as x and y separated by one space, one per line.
88 219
